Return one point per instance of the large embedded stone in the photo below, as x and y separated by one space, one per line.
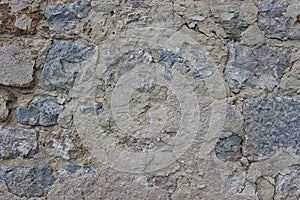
65 16
17 141
16 65
27 182
271 125
42 111
259 68
273 19
62 64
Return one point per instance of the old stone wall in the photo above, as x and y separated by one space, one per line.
150 99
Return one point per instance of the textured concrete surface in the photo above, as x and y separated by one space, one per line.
148 99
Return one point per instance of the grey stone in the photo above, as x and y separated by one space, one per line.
168 59
42 111
27 182
288 183
236 181
18 141
234 27
202 68
271 125
65 118
62 64
258 68
274 21
16 65
265 189
72 168
64 17
229 148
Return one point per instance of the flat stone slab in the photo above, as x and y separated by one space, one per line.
16 65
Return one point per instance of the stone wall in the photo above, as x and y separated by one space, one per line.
148 99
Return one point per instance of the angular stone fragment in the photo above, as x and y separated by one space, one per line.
42 111
271 125
234 27
229 148
5 97
288 183
27 182
23 22
62 64
259 68
274 21
17 141
200 66
265 189
16 65
290 82
64 16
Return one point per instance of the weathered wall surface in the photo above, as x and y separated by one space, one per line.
147 99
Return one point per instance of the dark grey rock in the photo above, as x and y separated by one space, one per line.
287 183
27 182
62 64
274 21
258 68
229 148
234 27
17 141
42 111
65 16
271 124
73 168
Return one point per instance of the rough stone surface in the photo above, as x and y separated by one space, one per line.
65 143
6 96
27 182
287 183
63 17
290 82
202 66
156 99
62 64
264 188
16 65
42 111
259 68
234 27
271 125
229 148
274 21
19 17
18 141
